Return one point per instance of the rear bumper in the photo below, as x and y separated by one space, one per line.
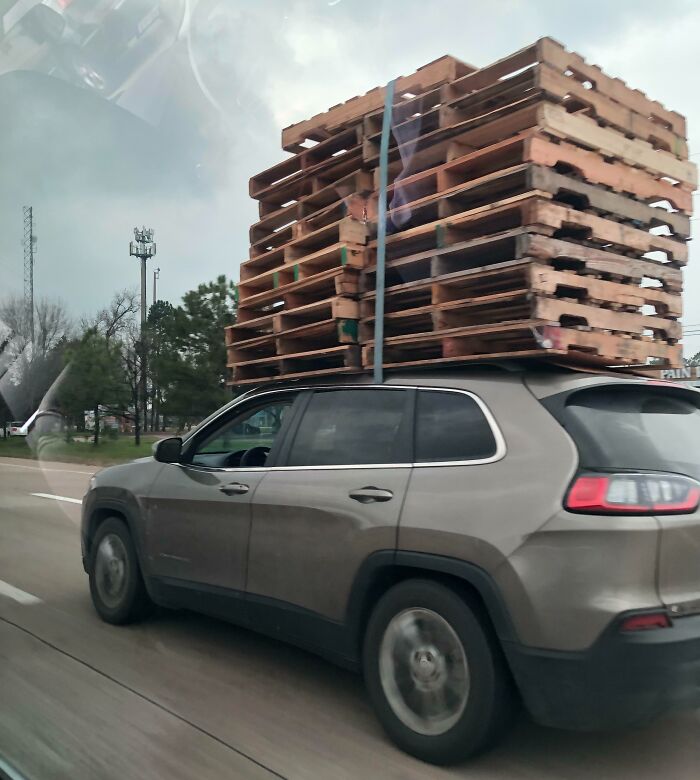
625 679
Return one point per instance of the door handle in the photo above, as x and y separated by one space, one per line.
370 494
234 489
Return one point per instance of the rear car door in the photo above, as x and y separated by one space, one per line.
335 500
199 510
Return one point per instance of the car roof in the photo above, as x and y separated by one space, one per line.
543 377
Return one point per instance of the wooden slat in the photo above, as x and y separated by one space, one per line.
556 121
618 176
343 280
434 73
310 159
533 338
551 119
281 277
551 52
605 231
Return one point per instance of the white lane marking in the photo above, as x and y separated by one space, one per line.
20 596
40 468
58 498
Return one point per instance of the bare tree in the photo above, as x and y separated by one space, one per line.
52 326
116 318
30 367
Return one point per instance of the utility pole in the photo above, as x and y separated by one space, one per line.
29 244
156 276
143 247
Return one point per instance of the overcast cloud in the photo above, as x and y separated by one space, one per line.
177 148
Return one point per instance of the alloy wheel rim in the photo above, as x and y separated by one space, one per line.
424 671
111 570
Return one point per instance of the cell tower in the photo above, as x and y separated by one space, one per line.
29 244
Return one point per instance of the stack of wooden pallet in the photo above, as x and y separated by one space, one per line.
536 207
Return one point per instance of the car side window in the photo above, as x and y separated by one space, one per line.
246 439
451 427
352 427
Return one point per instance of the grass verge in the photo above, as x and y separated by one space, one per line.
107 452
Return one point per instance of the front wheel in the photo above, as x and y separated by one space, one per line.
116 584
434 673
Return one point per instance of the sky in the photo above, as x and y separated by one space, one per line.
174 143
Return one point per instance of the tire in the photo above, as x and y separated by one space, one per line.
421 635
116 583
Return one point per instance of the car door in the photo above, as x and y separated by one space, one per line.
335 499
199 510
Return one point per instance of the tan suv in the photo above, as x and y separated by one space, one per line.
467 539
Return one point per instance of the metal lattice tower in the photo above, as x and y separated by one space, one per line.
29 244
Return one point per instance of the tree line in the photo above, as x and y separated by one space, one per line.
101 359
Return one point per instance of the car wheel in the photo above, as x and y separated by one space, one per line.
435 673
116 583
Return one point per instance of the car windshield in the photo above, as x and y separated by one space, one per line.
285 287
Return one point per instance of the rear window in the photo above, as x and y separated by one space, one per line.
451 426
656 429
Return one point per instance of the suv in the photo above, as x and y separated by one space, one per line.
468 539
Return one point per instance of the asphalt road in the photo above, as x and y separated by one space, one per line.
183 696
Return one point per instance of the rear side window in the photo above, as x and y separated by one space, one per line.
352 427
656 429
451 426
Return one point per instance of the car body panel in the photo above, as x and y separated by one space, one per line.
679 562
194 531
308 544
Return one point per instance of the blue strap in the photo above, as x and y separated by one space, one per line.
381 235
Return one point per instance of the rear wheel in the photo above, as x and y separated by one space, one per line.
116 584
435 674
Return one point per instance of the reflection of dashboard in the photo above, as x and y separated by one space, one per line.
100 44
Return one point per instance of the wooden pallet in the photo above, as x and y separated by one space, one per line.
309 338
263 240
343 310
551 52
531 146
343 280
334 360
523 290
540 214
522 275
338 255
533 338
517 246
318 190
577 98
312 159
346 230
321 126
552 120
527 177
463 166
541 81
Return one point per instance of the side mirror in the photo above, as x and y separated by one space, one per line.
168 450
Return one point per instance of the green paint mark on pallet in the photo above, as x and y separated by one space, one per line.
344 255
348 328
296 273
276 279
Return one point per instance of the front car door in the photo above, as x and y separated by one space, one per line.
199 510
334 499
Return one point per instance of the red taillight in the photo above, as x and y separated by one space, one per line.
633 494
645 622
